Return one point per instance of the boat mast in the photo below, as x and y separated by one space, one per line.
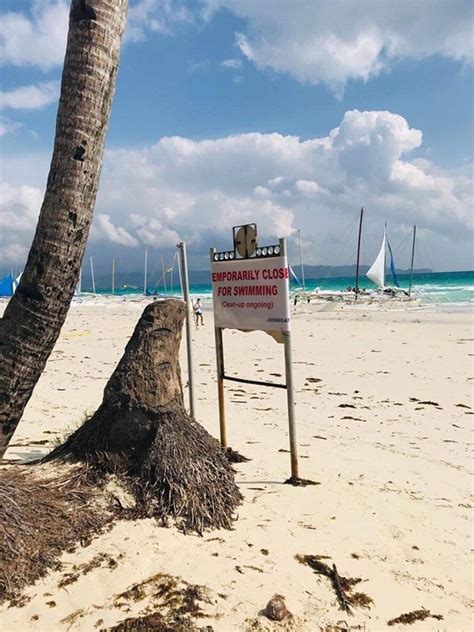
145 271
113 276
164 272
412 259
358 253
79 285
301 260
92 277
171 274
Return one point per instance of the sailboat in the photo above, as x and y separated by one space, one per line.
303 285
298 284
383 294
376 273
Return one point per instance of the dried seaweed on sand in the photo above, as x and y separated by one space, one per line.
343 586
416 615
175 605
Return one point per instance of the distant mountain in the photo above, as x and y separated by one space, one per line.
203 277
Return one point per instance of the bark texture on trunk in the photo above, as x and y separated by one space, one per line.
34 316
142 430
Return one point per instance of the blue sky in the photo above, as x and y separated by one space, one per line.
292 114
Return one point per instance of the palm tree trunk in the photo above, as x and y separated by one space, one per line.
33 318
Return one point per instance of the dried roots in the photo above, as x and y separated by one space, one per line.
177 471
41 515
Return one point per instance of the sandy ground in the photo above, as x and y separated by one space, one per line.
395 496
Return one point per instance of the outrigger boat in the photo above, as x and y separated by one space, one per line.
386 295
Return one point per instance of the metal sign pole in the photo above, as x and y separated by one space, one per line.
220 385
220 376
289 390
185 285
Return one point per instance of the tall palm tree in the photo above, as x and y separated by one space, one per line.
34 316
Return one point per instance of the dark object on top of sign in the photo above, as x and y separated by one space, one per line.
245 240
246 246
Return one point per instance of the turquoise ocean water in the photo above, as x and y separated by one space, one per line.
456 288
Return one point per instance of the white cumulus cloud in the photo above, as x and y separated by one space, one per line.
37 38
335 41
368 143
234 64
19 209
199 189
196 190
156 16
307 187
32 97
7 126
117 235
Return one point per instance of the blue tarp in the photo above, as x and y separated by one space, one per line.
293 276
392 266
6 285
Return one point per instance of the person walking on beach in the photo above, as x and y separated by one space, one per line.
197 307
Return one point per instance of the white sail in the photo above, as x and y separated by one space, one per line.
78 289
377 271
16 282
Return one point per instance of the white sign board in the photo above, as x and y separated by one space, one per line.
251 294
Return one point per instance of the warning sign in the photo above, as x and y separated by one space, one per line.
251 294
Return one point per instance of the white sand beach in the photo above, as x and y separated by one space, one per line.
384 405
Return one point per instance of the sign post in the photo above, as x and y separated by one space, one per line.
289 390
183 266
220 385
250 291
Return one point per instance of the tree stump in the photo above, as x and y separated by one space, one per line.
142 431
